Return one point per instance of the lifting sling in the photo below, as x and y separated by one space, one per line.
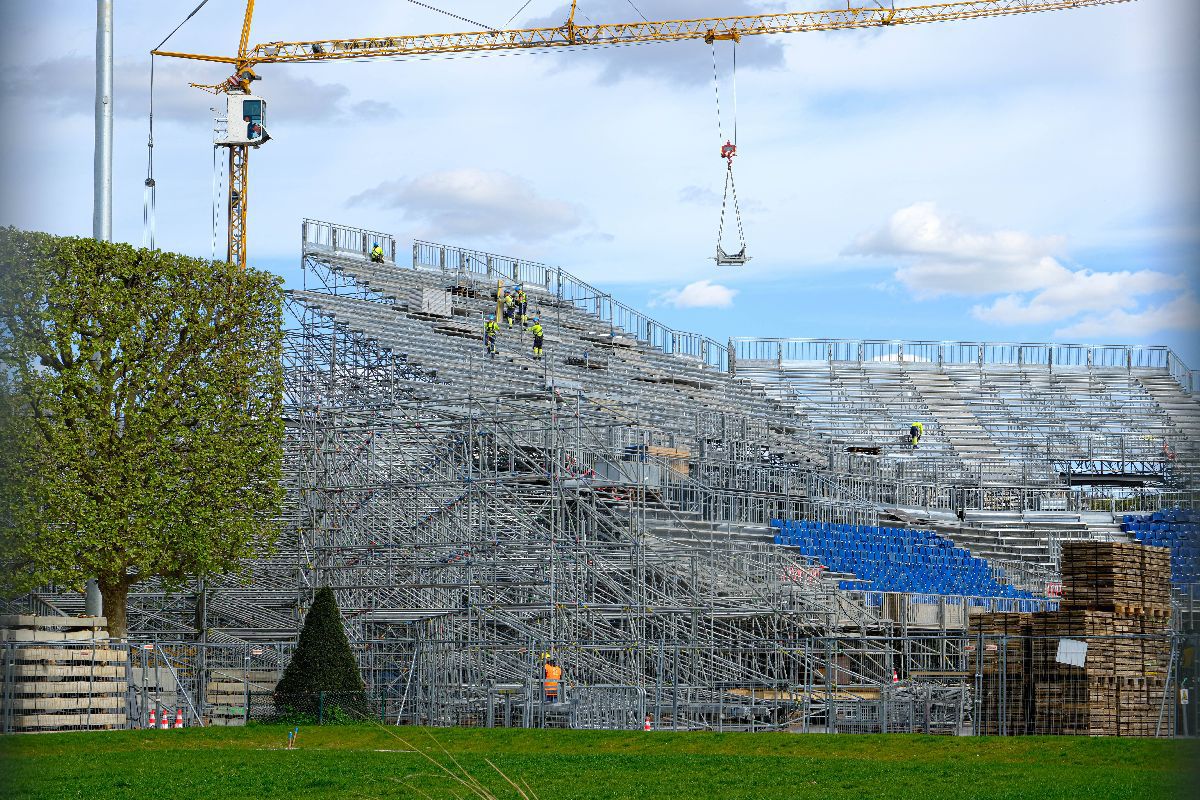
728 152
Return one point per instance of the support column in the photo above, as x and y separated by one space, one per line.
102 183
102 161
238 191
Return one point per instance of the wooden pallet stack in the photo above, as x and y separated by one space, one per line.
1070 699
1001 655
1131 582
232 695
1156 584
60 674
1103 576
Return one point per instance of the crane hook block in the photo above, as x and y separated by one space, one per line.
728 151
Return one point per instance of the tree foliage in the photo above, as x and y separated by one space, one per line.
322 663
141 406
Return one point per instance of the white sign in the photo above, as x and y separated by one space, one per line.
1071 651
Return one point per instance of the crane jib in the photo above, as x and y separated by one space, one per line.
571 34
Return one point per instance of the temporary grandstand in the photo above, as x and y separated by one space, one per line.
716 534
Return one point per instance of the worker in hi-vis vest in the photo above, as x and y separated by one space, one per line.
553 675
510 307
522 306
915 432
377 253
538 337
490 329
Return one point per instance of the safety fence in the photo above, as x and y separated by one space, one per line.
981 683
319 235
756 352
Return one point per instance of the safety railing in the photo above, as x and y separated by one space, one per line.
344 239
569 289
754 351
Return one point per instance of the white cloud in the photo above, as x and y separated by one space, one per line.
699 195
475 203
1079 292
700 294
1180 314
949 257
66 86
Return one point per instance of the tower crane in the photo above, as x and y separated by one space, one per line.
242 104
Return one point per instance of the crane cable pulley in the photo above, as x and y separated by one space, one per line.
728 152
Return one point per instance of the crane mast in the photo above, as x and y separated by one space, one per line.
570 34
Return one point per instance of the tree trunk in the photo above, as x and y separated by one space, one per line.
116 596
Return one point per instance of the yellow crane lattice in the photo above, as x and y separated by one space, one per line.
570 34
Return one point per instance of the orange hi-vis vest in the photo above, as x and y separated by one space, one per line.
553 675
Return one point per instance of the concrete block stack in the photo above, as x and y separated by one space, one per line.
232 695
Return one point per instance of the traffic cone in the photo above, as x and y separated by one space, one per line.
164 721
646 725
178 718
153 722
895 677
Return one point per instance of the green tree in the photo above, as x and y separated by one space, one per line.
141 415
323 662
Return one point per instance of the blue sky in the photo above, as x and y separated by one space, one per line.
1029 178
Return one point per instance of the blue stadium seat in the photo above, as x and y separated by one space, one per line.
1174 528
898 560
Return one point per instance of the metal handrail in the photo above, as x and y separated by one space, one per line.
915 352
568 288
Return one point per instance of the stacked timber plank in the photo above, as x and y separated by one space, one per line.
61 673
1001 653
1116 598
233 695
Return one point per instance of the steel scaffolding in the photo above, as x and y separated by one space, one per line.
609 504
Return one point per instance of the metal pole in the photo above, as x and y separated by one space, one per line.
102 180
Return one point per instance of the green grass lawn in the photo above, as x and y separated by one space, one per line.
371 762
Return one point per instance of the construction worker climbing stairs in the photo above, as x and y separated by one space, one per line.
553 674
510 307
490 330
522 306
538 337
915 432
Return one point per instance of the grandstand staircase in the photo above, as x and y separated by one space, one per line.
956 422
1026 544
1183 410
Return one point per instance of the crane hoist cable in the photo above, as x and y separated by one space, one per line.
218 194
149 223
728 152
455 16
518 11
